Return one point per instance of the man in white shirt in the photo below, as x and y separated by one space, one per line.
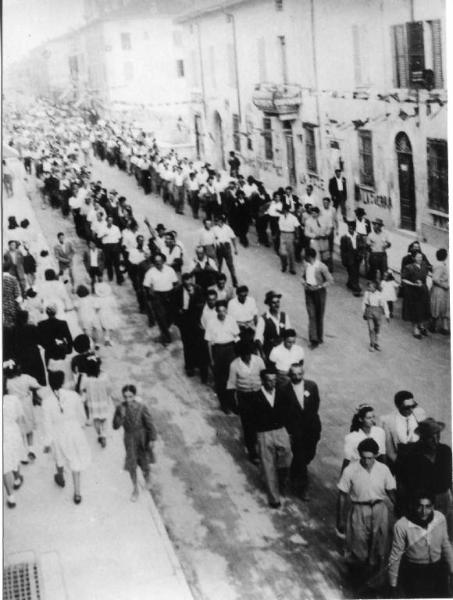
221 334
244 311
367 482
286 354
289 228
110 238
225 241
193 188
309 197
207 239
400 425
159 282
178 182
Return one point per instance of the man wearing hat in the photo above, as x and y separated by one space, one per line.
271 325
400 425
426 465
377 242
351 258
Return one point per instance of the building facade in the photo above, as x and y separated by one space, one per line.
300 87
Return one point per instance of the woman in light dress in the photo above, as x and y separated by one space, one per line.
363 425
23 387
107 311
53 291
87 309
440 295
13 446
63 423
95 387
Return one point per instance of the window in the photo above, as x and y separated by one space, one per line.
438 175
236 134
262 72
126 41
180 68
267 136
230 66
249 126
211 53
417 46
366 158
310 148
128 70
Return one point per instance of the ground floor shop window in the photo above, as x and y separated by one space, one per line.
438 175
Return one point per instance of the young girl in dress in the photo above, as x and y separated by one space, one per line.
96 389
107 311
389 289
374 306
23 386
87 308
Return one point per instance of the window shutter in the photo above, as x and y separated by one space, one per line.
356 55
262 60
416 51
401 66
436 29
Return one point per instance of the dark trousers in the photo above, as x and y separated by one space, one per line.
179 199
275 232
162 307
95 274
248 429
377 262
112 261
78 222
224 253
352 268
194 202
424 581
303 449
222 357
315 301
192 341
261 229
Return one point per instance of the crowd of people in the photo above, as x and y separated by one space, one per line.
256 364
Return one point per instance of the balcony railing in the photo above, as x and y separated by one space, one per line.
277 100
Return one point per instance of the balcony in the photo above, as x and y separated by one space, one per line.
278 100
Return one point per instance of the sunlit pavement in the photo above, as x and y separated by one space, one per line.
211 499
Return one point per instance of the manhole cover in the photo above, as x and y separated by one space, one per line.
21 581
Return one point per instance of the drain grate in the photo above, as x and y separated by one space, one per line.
21 581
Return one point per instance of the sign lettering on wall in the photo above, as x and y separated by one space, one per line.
368 197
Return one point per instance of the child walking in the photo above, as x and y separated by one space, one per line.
389 289
374 306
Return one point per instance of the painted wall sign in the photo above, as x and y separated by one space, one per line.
368 197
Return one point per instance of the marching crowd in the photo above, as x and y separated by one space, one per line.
256 364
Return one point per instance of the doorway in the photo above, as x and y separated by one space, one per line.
406 182
290 157
219 151
197 129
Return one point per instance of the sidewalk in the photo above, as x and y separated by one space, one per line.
107 548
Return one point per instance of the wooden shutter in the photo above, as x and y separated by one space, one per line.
436 29
416 51
401 67
356 55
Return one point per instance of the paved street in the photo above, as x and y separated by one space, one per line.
211 499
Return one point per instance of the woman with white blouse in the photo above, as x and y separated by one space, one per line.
363 426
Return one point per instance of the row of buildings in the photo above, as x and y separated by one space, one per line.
297 88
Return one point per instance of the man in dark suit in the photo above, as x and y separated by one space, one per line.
93 259
53 332
301 397
189 302
338 193
351 257
269 414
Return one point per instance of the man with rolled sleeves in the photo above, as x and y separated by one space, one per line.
286 354
377 242
221 334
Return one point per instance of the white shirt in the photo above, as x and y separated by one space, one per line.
366 486
111 235
136 256
353 239
299 390
224 234
270 396
339 183
207 237
94 257
310 273
284 358
288 223
207 314
353 439
405 427
129 239
275 209
222 332
243 312
160 281
360 227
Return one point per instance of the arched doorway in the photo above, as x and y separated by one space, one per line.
218 141
403 150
